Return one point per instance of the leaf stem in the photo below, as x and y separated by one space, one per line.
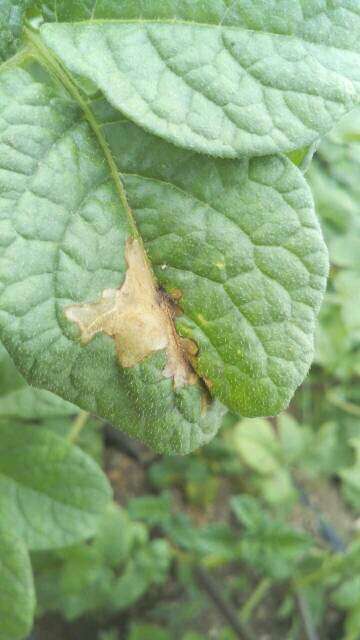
207 582
77 426
54 66
305 616
16 59
255 598
348 407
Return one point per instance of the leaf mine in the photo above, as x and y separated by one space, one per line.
139 318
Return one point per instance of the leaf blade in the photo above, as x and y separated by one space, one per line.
52 494
66 191
206 88
199 219
17 594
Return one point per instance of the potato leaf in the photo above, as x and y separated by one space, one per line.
241 255
51 493
227 91
17 594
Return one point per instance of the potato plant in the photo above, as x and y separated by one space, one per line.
161 261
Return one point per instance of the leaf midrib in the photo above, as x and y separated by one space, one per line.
54 67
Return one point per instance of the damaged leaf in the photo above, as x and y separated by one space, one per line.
237 243
138 317
241 242
64 233
138 278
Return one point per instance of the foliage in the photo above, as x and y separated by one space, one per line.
52 494
162 267
108 575
231 238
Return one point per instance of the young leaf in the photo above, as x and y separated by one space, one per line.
257 446
17 595
224 91
242 253
271 546
51 493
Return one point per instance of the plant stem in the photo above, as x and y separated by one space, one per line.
77 426
349 407
206 581
305 616
320 574
254 600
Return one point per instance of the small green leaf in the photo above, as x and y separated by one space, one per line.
115 536
154 510
17 594
28 403
257 445
149 567
269 545
347 595
51 493
294 438
224 91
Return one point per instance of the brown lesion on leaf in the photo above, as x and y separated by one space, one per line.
140 319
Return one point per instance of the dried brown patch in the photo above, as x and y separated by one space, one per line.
139 318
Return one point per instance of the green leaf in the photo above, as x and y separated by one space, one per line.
348 594
239 241
68 195
81 579
237 267
269 545
115 536
286 17
51 493
303 157
351 477
335 181
18 400
294 438
257 445
225 91
148 568
154 510
17 595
